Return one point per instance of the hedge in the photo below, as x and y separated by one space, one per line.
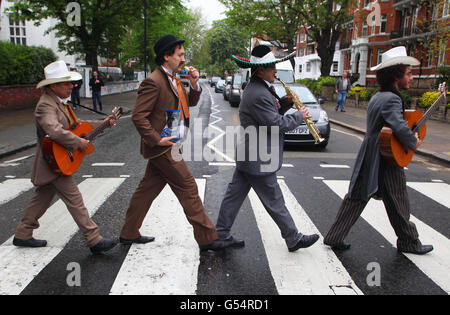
316 85
23 64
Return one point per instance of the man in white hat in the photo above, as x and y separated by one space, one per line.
374 177
53 118
260 111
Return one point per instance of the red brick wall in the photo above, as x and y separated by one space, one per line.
19 97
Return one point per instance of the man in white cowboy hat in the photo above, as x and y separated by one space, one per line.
260 110
53 118
374 177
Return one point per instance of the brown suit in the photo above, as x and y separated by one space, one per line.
155 95
53 120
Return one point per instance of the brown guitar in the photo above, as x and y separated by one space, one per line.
391 149
60 160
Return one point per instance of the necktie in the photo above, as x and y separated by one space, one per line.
182 97
72 117
272 88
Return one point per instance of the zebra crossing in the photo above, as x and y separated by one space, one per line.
170 265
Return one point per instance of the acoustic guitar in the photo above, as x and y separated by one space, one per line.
391 149
61 160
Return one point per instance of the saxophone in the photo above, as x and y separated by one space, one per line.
309 122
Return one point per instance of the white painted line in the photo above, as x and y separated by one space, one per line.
207 176
436 265
19 266
108 164
437 181
333 166
9 165
280 177
88 176
315 270
288 165
170 264
319 178
10 176
125 176
19 159
439 192
12 188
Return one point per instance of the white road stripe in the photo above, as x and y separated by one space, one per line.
108 164
19 266
12 188
436 265
439 192
333 166
315 270
19 159
170 264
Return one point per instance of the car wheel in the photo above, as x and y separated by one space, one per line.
323 145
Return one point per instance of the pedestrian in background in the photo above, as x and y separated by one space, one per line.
96 84
372 175
75 96
343 86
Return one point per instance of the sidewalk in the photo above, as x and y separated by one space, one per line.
435 145
18 131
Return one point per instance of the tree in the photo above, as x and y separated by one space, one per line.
103 24
280 20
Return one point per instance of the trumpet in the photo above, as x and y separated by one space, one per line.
309 122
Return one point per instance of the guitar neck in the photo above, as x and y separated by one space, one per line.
428 114
91 136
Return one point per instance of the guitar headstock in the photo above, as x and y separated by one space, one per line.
117 112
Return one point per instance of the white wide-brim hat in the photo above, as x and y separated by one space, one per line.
57 72
395 56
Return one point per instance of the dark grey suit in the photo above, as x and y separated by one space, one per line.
265 128
372 175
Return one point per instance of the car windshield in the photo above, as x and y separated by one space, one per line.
305 95
215 79
221 82
237 80
286 75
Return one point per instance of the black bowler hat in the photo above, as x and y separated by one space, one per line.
165 43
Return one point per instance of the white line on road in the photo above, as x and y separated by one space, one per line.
333 166
436 265
439 192
19 159
12 188
315 270
19 266
108 164
170 264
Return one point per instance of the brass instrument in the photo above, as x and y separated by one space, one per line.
309 122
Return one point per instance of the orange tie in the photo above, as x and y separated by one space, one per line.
72 117
183 102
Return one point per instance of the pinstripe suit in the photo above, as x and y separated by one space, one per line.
372 175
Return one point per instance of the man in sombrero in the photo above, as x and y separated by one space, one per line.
54 117
260 110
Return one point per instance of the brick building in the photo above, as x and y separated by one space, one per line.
420 25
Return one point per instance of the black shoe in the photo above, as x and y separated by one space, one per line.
139 240
305 242
424 249
343 111
215 246
232 242
337 108
33 243
103 246
342 246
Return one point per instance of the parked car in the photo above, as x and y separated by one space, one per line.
301 135
227 87
213 81
219 86
234 93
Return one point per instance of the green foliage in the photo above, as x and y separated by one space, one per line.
364 94
23 64
406 98
427 99
316 85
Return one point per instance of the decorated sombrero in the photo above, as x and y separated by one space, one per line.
261 56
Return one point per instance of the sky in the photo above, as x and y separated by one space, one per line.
212 9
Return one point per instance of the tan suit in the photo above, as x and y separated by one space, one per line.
53 120
155 95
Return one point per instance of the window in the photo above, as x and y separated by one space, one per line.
302 52
335 66
308 67
302 37
369 58
300 68
364 29
383 23
17 32
373 25
355 31
446 8
430 59
406 26
414 21
380 53
310 49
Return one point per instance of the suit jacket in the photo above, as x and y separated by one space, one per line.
260 149
52 120
385 108
96 87
340 84
156 94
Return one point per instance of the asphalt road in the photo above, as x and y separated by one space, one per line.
314 179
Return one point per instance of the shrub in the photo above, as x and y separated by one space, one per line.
316 85
428 99
23 64
406 98
364 94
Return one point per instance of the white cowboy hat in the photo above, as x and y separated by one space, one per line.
57 72
395 56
